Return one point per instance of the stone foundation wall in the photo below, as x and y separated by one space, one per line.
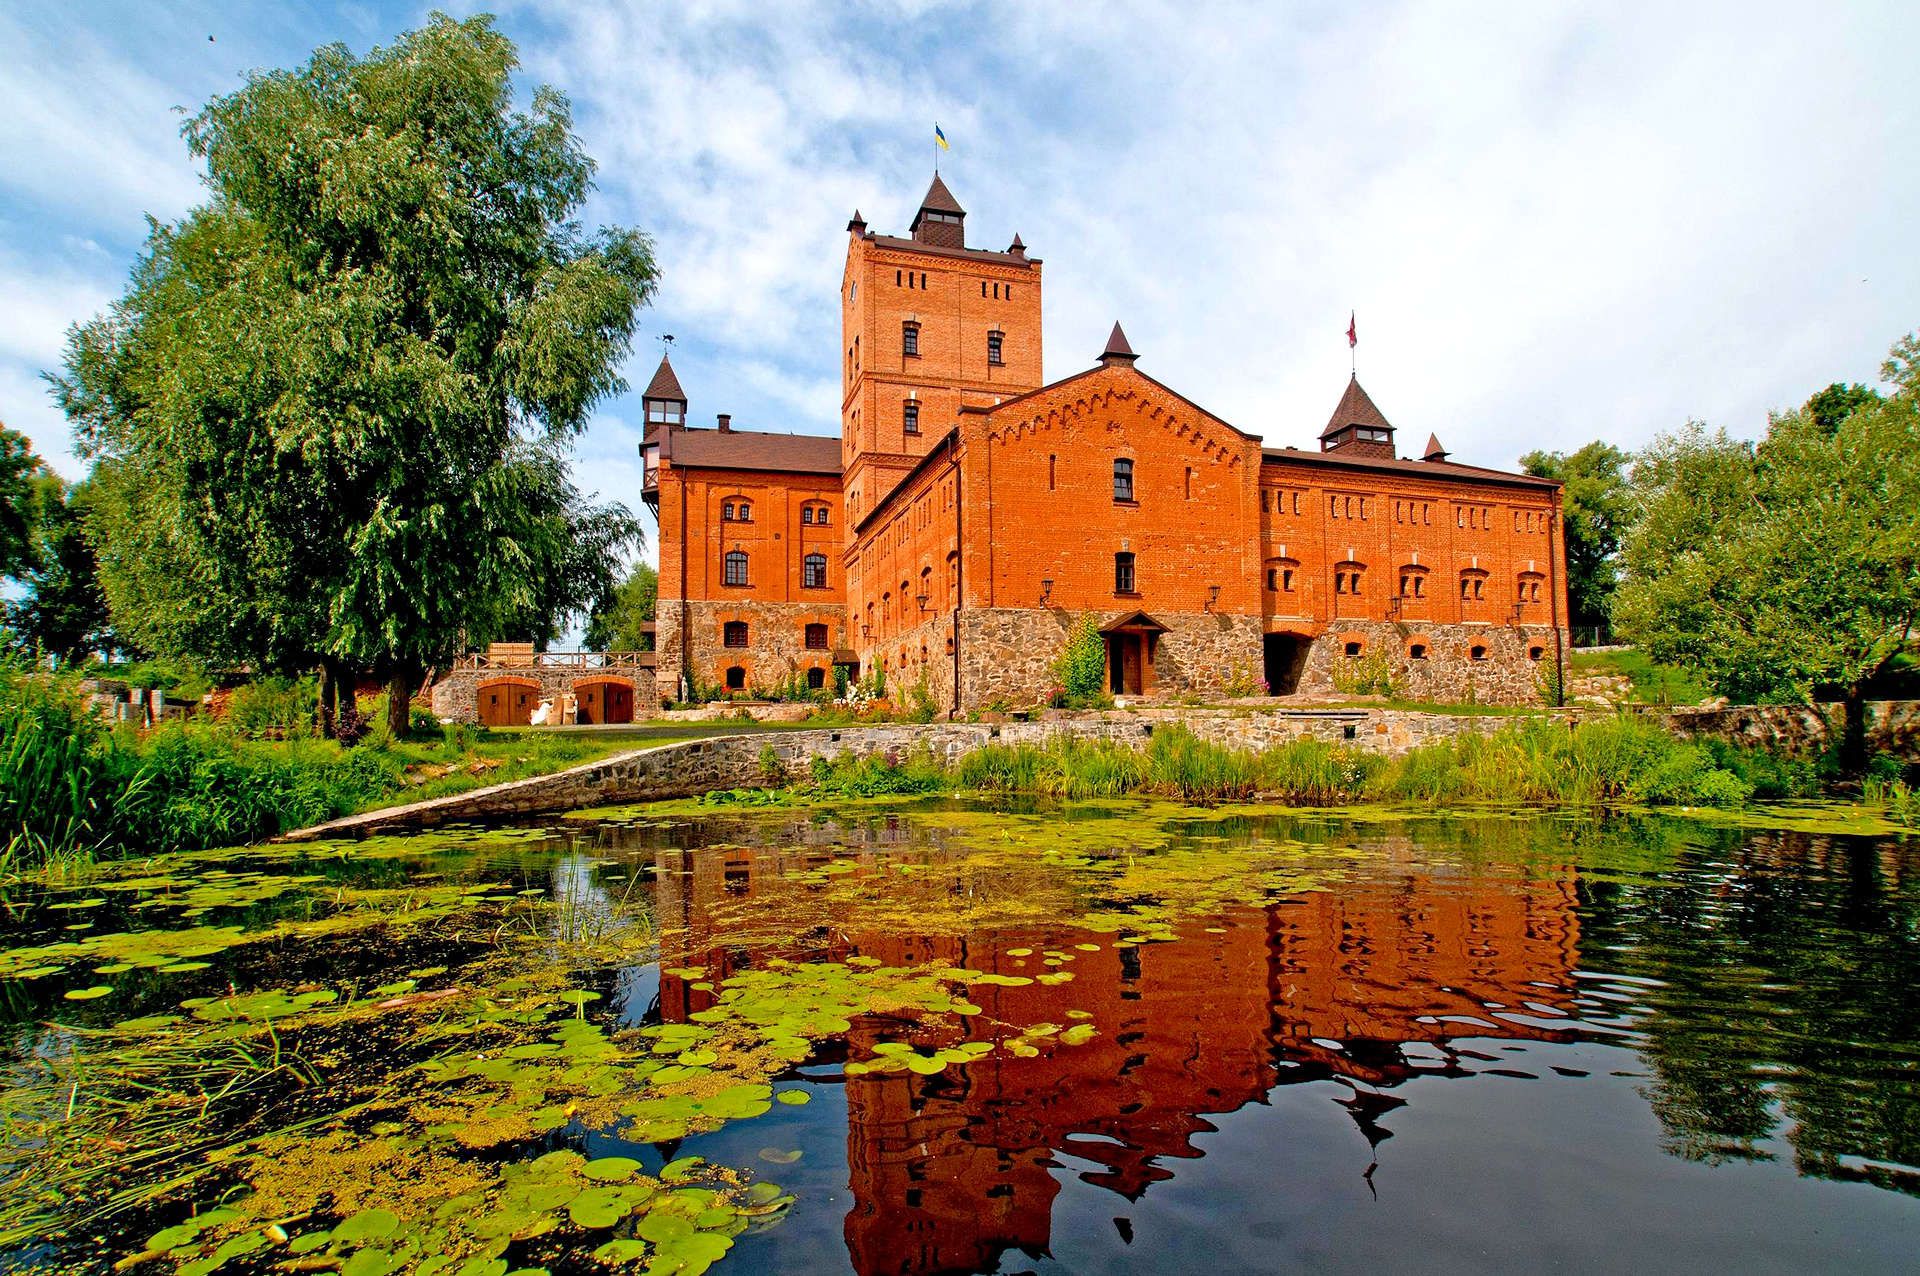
1893 726
728 762
1447 672
776 647
456 695
1007 654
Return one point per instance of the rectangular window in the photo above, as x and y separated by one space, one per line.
736 567
1122 479
816 637
1123 581
910 416
910 340
806 514
813 571
735 633
993 348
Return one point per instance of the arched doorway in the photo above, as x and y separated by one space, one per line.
603 699
506 702
1285 655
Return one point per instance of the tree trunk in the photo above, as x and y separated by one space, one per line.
345 678
1853 734
323 711
400 698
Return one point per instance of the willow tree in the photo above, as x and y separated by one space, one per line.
1787 570
333 407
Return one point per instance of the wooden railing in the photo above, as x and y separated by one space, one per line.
581 660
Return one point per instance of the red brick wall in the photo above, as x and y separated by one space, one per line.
775 540
1390 522
1039 478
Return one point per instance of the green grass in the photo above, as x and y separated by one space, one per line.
1652 683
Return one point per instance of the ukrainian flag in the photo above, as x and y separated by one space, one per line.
940 138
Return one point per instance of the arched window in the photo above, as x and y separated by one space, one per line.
816 678
1527 588
736 567
926 588
1282 574
1122 479
736 511
1473 585
1354 648
1051 460
1123 574
813 571
734 633
1535 653
816 637
1413 581
736 678
1416 651
953 580
1348 578
1476 652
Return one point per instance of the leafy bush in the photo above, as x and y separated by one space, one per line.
1081 666
1367 674
273 708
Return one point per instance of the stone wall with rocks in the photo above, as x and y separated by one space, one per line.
1893 726
728 762
1007 654
776 647
1446 671
455 695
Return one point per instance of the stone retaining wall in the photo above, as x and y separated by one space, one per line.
455 695
731 762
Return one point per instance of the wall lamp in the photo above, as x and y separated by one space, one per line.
1046 591
1213 597
922 600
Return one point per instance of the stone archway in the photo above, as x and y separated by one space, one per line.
506 702
603 698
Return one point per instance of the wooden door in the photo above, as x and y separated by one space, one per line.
617 703
587 699
1130 664
505 705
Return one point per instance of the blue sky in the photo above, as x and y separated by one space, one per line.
1556 222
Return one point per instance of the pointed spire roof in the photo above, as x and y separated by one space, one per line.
1117 351
1355 409
940 200
857 222
1434 451
665 385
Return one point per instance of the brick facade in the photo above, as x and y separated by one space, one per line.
961 548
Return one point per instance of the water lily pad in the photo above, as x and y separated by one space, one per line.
778 1156
611 1169
367 1225
794 1097
88 994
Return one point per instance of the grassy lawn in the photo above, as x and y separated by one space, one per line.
1652 683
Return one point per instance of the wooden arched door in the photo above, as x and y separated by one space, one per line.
507 702
604 700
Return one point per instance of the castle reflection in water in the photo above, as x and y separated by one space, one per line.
1367 986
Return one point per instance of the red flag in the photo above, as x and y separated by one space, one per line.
1353 338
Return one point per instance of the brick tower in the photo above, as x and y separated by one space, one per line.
928 325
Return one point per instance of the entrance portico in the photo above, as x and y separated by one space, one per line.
1131 639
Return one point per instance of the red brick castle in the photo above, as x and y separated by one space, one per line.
971 512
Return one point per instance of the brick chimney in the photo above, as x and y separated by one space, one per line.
726 422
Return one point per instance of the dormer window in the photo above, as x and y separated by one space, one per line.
666 412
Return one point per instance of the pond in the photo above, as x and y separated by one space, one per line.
952 1036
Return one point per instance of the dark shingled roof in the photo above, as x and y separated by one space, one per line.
1355 409
1117 347
664 384
940 199
1423 469
753 450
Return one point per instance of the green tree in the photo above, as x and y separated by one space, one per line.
334 405
63 611
1827 409
616 623
20 471
1786 570
1596 505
